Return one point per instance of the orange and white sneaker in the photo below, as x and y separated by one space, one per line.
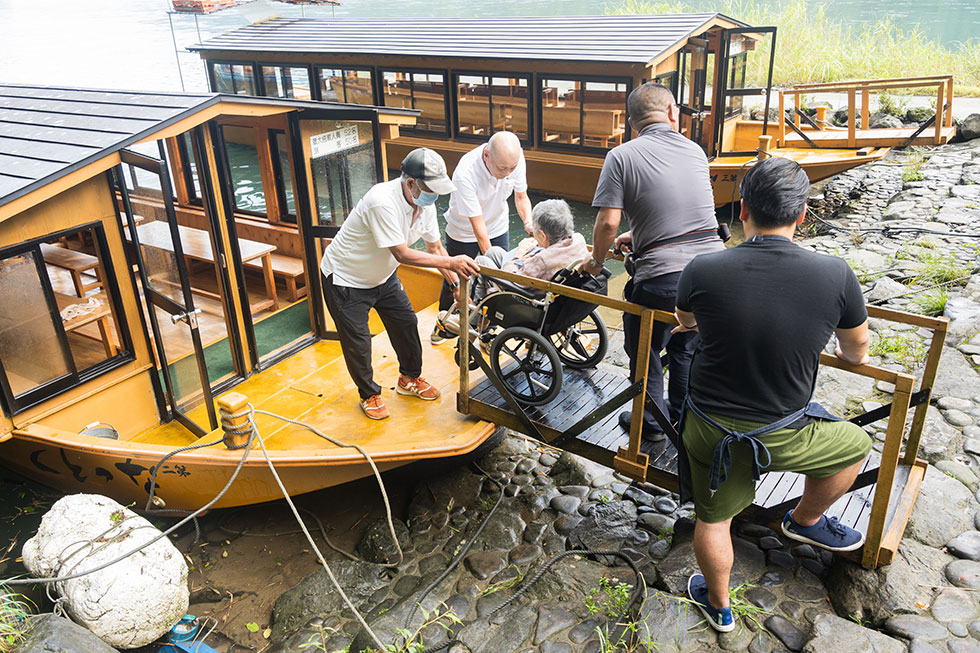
417 387
374 408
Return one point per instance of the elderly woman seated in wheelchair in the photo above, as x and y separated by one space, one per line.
526 333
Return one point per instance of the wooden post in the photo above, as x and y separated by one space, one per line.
940 88
234 403
821 116
629 460
463 398
851 117
796 107
865 108
781 126
948 122
765 142
928 379
886 472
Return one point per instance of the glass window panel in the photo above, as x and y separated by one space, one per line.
473 104
358 87
223 79
288 82
510 105
342 175
234 79
30 346
190 165
243 161
331 81
560 111
423 91
286 174
397 89
604 119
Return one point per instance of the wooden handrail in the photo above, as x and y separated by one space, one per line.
874 81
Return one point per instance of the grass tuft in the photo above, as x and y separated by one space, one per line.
814 47
906 349
14 612
932 303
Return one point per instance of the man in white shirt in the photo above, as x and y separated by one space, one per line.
478 215
359 265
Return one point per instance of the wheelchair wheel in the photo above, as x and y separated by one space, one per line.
528 365
473 364
584 344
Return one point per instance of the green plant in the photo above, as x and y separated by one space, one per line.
624 638
814 46
319 639
504 584
742 610
608 599
893 106
906 349
932 303
412 641
914 162
939 268
14 612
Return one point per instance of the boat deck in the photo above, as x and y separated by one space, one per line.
870 137
583 391
313 386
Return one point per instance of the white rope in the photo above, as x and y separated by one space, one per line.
72 311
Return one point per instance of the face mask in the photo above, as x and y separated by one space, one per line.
425 199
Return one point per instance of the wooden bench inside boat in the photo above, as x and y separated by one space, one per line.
583 419
289 268
77 264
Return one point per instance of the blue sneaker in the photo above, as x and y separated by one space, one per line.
828 533
720 619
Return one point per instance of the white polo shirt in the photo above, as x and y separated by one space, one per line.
480 193
358 256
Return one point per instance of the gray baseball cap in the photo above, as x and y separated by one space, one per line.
426 165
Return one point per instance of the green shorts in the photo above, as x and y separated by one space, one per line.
819 449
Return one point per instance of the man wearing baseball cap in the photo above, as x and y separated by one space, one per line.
359 264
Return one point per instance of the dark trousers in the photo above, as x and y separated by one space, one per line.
455 248
349 309
660 292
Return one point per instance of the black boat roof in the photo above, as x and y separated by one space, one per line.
639 39
47 132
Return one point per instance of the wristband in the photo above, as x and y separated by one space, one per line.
596 261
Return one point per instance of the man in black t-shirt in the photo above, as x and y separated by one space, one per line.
765 310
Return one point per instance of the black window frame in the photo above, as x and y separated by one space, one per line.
571 147
412 129
15 405
280 182
274 64
212 79
463 136
193 192
372 70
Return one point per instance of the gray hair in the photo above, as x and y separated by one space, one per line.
554 218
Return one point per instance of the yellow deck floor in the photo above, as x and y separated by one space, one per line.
313 386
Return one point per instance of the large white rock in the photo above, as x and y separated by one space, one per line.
129 604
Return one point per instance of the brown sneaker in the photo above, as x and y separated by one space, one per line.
374 408
417 388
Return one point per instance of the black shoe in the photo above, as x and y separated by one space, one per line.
650 432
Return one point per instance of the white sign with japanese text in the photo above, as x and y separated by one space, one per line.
335 141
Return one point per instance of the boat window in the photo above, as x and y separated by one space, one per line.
669 80
286 81
347 86
284 176
583 113
343 165
188 156
235 79
60 322
243 162
736 79
486 104
414 90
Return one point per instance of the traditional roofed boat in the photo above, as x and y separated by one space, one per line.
137 287
560 84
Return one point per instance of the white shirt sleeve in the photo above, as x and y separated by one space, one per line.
383 223
520 176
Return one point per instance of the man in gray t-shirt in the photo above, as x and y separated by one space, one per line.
659 181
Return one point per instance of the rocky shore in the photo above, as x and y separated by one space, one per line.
907 225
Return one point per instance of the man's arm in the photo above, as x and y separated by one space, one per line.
603 235
480 231
686 319
461 264
523 204
852 344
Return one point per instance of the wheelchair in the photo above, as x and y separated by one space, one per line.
528 334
